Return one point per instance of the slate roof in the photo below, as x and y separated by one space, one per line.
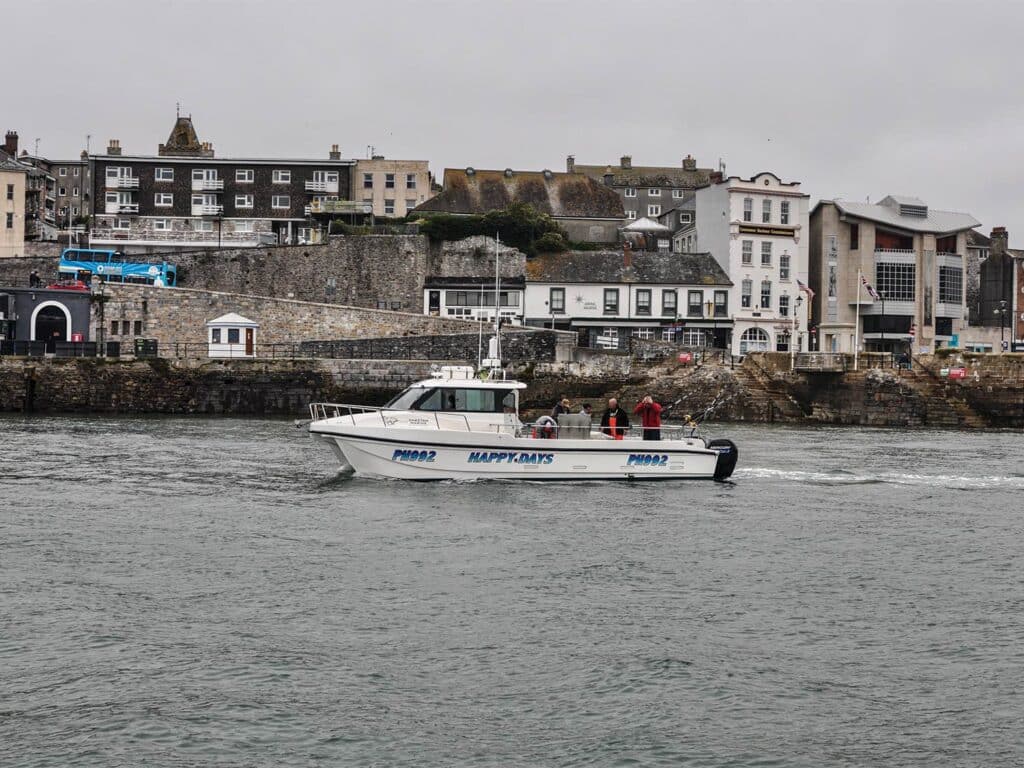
644 224
647 175
9 164
939 222
568 195
609 267
975 238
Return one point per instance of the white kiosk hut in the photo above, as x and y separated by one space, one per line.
231 335
647 235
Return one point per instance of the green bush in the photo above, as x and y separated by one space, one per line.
551 242
519 226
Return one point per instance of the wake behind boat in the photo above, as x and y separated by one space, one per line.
457 426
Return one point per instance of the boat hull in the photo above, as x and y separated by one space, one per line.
411 454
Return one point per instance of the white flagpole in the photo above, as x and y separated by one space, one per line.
856 327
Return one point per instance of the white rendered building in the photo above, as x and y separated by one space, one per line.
757 230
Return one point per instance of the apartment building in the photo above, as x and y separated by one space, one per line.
650 191
71 188
911 255
392 187
756 229
186 197
40 222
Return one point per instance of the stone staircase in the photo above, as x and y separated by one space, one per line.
768 398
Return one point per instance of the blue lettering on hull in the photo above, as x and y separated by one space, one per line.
647 460
404 455
509 457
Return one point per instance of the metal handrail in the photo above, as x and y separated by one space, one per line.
323 411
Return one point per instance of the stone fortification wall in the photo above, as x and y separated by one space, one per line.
179 315
360 271
539 345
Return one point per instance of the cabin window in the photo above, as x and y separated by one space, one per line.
215 335
465 400
233 335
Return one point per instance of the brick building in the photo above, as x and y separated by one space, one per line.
186 197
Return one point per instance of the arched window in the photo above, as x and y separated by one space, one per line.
754 340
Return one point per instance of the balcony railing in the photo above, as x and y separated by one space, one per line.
322 186
122 208
207 185
207 210
122 182
340 206
901 251
107 233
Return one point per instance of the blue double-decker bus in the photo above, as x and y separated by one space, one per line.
110 266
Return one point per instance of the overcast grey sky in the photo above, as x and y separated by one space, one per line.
854 99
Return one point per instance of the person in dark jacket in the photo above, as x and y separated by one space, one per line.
621 418
650 418
562 406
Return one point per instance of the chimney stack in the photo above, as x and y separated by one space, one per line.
114 147
626 162
1000 240
570 164
11 143
627 255
335 153
689 163
715 177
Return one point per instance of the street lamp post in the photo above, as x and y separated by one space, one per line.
1002 323
881 295
794 324
709 306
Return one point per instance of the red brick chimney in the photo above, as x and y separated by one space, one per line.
11 143
627 255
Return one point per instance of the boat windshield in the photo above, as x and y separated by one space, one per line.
457 399
405 400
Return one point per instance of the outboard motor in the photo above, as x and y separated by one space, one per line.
728 454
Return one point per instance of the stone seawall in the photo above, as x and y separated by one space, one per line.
536 346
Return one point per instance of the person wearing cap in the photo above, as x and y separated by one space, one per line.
562 406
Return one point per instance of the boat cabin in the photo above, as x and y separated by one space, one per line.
454 389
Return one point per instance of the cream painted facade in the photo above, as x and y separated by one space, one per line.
393 187
920 274
12 212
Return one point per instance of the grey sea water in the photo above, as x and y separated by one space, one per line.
181 592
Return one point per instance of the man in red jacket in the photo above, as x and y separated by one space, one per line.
650 418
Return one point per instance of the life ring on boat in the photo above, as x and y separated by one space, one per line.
545 427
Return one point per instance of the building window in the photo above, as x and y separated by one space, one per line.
389 181
245 175
10 220
125 327
367 181
630 214
74 191
784 266
748 252
215 335
233 336
854 237
138 327
654 210
654 192
163 174
754 340
766 294
389 206
200 225
10 191
951 285
611 301
115 326
161 225
630 192
63 210
643 301
748 209
163 199
895 281
410 204
748 287
766 211
678 194
282 177
410 181
668 303
74 210
695 304
122 224
244 226
685 218
556 300
63 171
75 172
721 303
782 342
643 333
766 254
784 305
62 191
281 201
784 212
243 201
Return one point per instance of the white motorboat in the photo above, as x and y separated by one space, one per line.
459 426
